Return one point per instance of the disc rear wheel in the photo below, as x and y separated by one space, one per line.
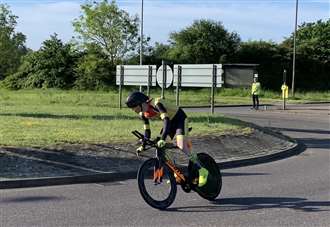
212 188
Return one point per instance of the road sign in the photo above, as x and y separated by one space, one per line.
168 77
136 75
200 75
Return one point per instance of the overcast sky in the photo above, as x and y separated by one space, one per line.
251 19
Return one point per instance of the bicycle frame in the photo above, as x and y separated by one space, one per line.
160 154
189 182
179 176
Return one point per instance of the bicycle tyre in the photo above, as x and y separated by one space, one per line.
143 172
212 188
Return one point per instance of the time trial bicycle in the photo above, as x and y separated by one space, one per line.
159 176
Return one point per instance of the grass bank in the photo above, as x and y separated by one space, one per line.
36 118
47 117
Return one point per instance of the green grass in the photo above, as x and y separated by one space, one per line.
48 117
36 118
110 99
227 96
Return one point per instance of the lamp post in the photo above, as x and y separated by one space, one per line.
141 35
294 50
141 38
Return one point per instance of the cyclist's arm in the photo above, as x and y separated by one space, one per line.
146 126
165 118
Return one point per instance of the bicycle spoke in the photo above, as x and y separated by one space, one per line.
157 186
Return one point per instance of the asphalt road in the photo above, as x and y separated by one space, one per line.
289 192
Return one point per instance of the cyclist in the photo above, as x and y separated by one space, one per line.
175 124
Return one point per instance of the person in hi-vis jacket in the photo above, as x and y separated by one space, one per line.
255 91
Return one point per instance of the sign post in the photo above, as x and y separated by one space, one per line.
164 79
121 81
214 85
178 85
149 80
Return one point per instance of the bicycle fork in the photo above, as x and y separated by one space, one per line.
158 175
158 172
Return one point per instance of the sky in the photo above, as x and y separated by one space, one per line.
268 20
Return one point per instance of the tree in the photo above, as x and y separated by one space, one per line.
11 43
152 55
312 55
50 67
205 41
271 59
92 70
313 40
103 24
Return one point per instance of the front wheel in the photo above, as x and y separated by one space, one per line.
161 193
212 188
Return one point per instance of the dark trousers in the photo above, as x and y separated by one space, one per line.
255 99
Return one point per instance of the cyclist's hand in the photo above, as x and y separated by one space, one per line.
139 149
144 140
161 143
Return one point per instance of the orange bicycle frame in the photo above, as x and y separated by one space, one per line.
178 174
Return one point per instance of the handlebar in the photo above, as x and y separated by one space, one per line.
149 142
137 134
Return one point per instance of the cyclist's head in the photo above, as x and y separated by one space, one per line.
135 99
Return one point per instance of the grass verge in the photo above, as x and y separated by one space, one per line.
37 118
46 117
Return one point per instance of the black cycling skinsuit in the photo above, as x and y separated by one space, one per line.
174 119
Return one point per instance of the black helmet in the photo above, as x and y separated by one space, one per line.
136 98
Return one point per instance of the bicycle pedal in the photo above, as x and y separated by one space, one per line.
186 188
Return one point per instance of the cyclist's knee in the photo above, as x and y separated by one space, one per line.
183 143
180 141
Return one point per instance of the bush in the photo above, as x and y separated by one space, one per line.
50 67
94 72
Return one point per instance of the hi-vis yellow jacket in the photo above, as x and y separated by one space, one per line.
256 87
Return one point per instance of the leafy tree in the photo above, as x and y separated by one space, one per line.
312 41
312 55
205 41
271 59
11 43
93 70
50 67
152 55
103 24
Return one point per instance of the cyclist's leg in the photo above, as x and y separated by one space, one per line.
184 143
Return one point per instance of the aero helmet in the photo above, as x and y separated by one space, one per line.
136 98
